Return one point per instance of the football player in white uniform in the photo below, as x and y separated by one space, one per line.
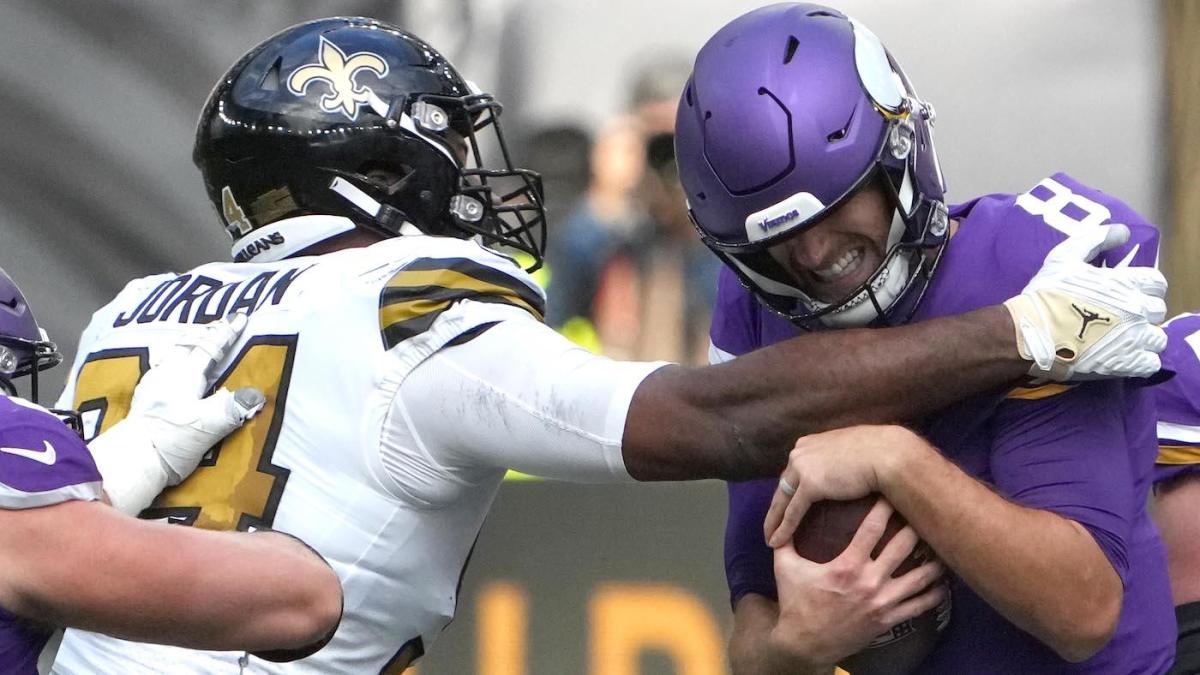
68 559
406 367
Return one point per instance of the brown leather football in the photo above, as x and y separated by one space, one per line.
823 534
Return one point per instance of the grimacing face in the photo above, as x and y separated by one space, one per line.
837 255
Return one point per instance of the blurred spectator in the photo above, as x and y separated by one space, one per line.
600 226
678 273
629 276
562 154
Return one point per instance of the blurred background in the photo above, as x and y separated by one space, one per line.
100 98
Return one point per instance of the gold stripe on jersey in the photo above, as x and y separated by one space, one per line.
1178 454
418 294
1037 393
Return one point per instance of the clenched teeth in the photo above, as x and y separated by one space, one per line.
842 267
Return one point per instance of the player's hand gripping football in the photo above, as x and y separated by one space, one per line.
1075 321
171 424
829 611
837 464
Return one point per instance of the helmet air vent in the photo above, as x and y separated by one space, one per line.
271 80
792 44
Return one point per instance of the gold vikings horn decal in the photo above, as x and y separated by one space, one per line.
338 71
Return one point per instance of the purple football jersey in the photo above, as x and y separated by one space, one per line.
1085 452
42 462
1178 401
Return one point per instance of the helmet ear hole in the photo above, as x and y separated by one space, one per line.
388 176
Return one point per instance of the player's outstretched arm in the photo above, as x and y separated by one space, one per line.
85 565
737 420
553 409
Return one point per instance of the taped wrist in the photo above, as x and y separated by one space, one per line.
132 470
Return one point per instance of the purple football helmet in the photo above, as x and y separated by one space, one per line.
789 110
24 347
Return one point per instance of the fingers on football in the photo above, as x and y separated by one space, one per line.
871 530
916 605
784 516
789 563
898 548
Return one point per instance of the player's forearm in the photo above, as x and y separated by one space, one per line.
101 571
1041 571
738 420
752 649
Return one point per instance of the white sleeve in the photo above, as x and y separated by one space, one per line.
520 396
717 355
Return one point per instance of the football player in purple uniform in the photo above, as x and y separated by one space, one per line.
808 164
1177 481
69 559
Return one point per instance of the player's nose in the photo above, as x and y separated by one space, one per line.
810 249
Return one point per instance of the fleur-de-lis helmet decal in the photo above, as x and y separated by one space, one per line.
351 123
338 71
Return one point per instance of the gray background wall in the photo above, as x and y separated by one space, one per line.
98 100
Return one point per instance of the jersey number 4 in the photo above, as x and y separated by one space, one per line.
236 486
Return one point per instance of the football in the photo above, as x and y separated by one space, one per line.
823 534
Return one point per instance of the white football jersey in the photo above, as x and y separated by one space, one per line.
388 477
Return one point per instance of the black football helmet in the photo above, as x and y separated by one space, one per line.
351 117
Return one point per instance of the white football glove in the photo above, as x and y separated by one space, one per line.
170 426
1075 321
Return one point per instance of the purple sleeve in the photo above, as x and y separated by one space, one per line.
734 327
42 461
749 562
1070 454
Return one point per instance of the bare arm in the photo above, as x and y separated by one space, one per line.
84 565
1043 572
751 648
738 420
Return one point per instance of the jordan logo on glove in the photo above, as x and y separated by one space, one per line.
1088 317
